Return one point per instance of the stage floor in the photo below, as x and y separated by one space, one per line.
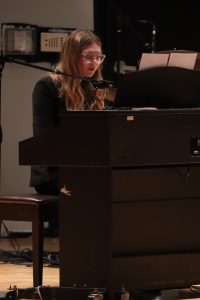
20 275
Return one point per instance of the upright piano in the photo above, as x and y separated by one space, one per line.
129 196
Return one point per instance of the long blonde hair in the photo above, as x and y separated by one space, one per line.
70 88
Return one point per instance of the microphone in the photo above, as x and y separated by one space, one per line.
101 84
98 84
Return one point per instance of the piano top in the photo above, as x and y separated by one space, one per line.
117 138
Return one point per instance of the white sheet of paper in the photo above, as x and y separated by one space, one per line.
150 60
183 60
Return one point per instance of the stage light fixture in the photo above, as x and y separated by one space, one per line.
19 39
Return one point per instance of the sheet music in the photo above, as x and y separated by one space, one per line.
150 60
183 60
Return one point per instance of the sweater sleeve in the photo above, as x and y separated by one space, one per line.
44 106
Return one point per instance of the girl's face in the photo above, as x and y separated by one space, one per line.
90 59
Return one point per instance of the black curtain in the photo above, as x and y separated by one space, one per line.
122 41
125 37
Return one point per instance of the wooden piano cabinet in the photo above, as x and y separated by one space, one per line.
130 197
130 227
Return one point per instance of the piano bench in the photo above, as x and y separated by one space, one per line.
36 209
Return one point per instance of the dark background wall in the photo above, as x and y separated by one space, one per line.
125 37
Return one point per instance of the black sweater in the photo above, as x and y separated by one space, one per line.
46 106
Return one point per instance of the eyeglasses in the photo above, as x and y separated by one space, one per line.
90 58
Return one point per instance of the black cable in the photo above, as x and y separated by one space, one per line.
25 257
13 241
